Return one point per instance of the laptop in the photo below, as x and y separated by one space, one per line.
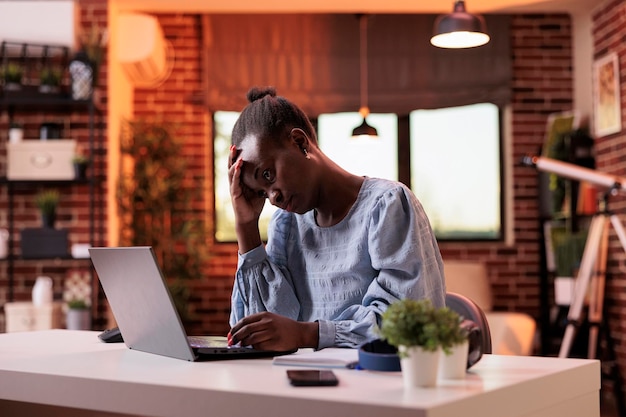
145 312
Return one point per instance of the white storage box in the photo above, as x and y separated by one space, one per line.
25 316
41 159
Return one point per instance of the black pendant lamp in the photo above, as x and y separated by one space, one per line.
363 129
459 29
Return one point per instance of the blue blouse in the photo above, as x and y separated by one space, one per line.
343 276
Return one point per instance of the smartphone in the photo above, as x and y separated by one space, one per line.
312 378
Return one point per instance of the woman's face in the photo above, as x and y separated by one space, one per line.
278 171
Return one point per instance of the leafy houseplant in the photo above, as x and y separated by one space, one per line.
81 163
12 74
410 323
421 332
156 201
78 316
47 202
50 80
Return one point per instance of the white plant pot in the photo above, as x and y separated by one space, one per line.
78 319
419 366
454 364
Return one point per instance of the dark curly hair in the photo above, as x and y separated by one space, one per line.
270 117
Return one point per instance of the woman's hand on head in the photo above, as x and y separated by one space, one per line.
269 331
246 203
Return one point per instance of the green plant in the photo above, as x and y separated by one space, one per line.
81 159
47 201
50 76
77 304
410 323
12 73
417 323
451 333
158 204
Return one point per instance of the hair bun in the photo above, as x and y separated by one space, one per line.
257 93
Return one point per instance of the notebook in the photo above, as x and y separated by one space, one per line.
145 313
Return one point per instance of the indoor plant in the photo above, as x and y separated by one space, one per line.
80 162
50 80
47 202
411 326
78 315
12 74
453 338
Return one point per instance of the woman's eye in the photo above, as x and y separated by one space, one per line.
268 175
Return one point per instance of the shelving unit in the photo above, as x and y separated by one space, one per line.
65 107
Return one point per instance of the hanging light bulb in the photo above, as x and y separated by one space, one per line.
459 29
363 129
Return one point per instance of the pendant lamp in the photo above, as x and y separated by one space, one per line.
459 29
363 129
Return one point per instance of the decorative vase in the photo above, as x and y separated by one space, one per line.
419 366
16 134
82 72
42 291
78 319
453 365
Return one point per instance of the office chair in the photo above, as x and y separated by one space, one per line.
476 323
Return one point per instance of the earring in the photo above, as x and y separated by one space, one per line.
306 153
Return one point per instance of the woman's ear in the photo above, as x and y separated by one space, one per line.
300 138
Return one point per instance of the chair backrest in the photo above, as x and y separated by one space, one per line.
469 278
480 335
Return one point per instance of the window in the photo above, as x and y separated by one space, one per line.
362 156
224 215
455 170
455 165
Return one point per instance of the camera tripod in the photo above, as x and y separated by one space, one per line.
592 276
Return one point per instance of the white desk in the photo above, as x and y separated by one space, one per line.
55 372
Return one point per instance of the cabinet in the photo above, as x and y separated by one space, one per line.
81 121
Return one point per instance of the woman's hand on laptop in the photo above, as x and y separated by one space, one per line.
269 331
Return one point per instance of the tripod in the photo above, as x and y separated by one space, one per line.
592 271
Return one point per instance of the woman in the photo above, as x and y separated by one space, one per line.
340 248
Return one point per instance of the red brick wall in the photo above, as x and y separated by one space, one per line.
609 29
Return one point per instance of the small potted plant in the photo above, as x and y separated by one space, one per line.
78 316
50 80
421 333
81 163
47 202
12 74
411 326
453 338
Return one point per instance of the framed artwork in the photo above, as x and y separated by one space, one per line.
606 96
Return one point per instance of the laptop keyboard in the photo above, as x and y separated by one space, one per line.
206 342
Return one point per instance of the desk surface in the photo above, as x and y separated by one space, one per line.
74 369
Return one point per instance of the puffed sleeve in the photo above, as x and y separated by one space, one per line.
403 250
263 285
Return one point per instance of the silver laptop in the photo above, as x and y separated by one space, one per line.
145 312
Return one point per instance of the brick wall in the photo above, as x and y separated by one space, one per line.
609 29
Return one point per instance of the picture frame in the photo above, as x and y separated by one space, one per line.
606 96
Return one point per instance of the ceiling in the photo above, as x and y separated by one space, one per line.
353 6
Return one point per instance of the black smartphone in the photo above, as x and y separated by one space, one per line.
312 378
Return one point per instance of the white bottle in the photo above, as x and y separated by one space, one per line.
42 291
